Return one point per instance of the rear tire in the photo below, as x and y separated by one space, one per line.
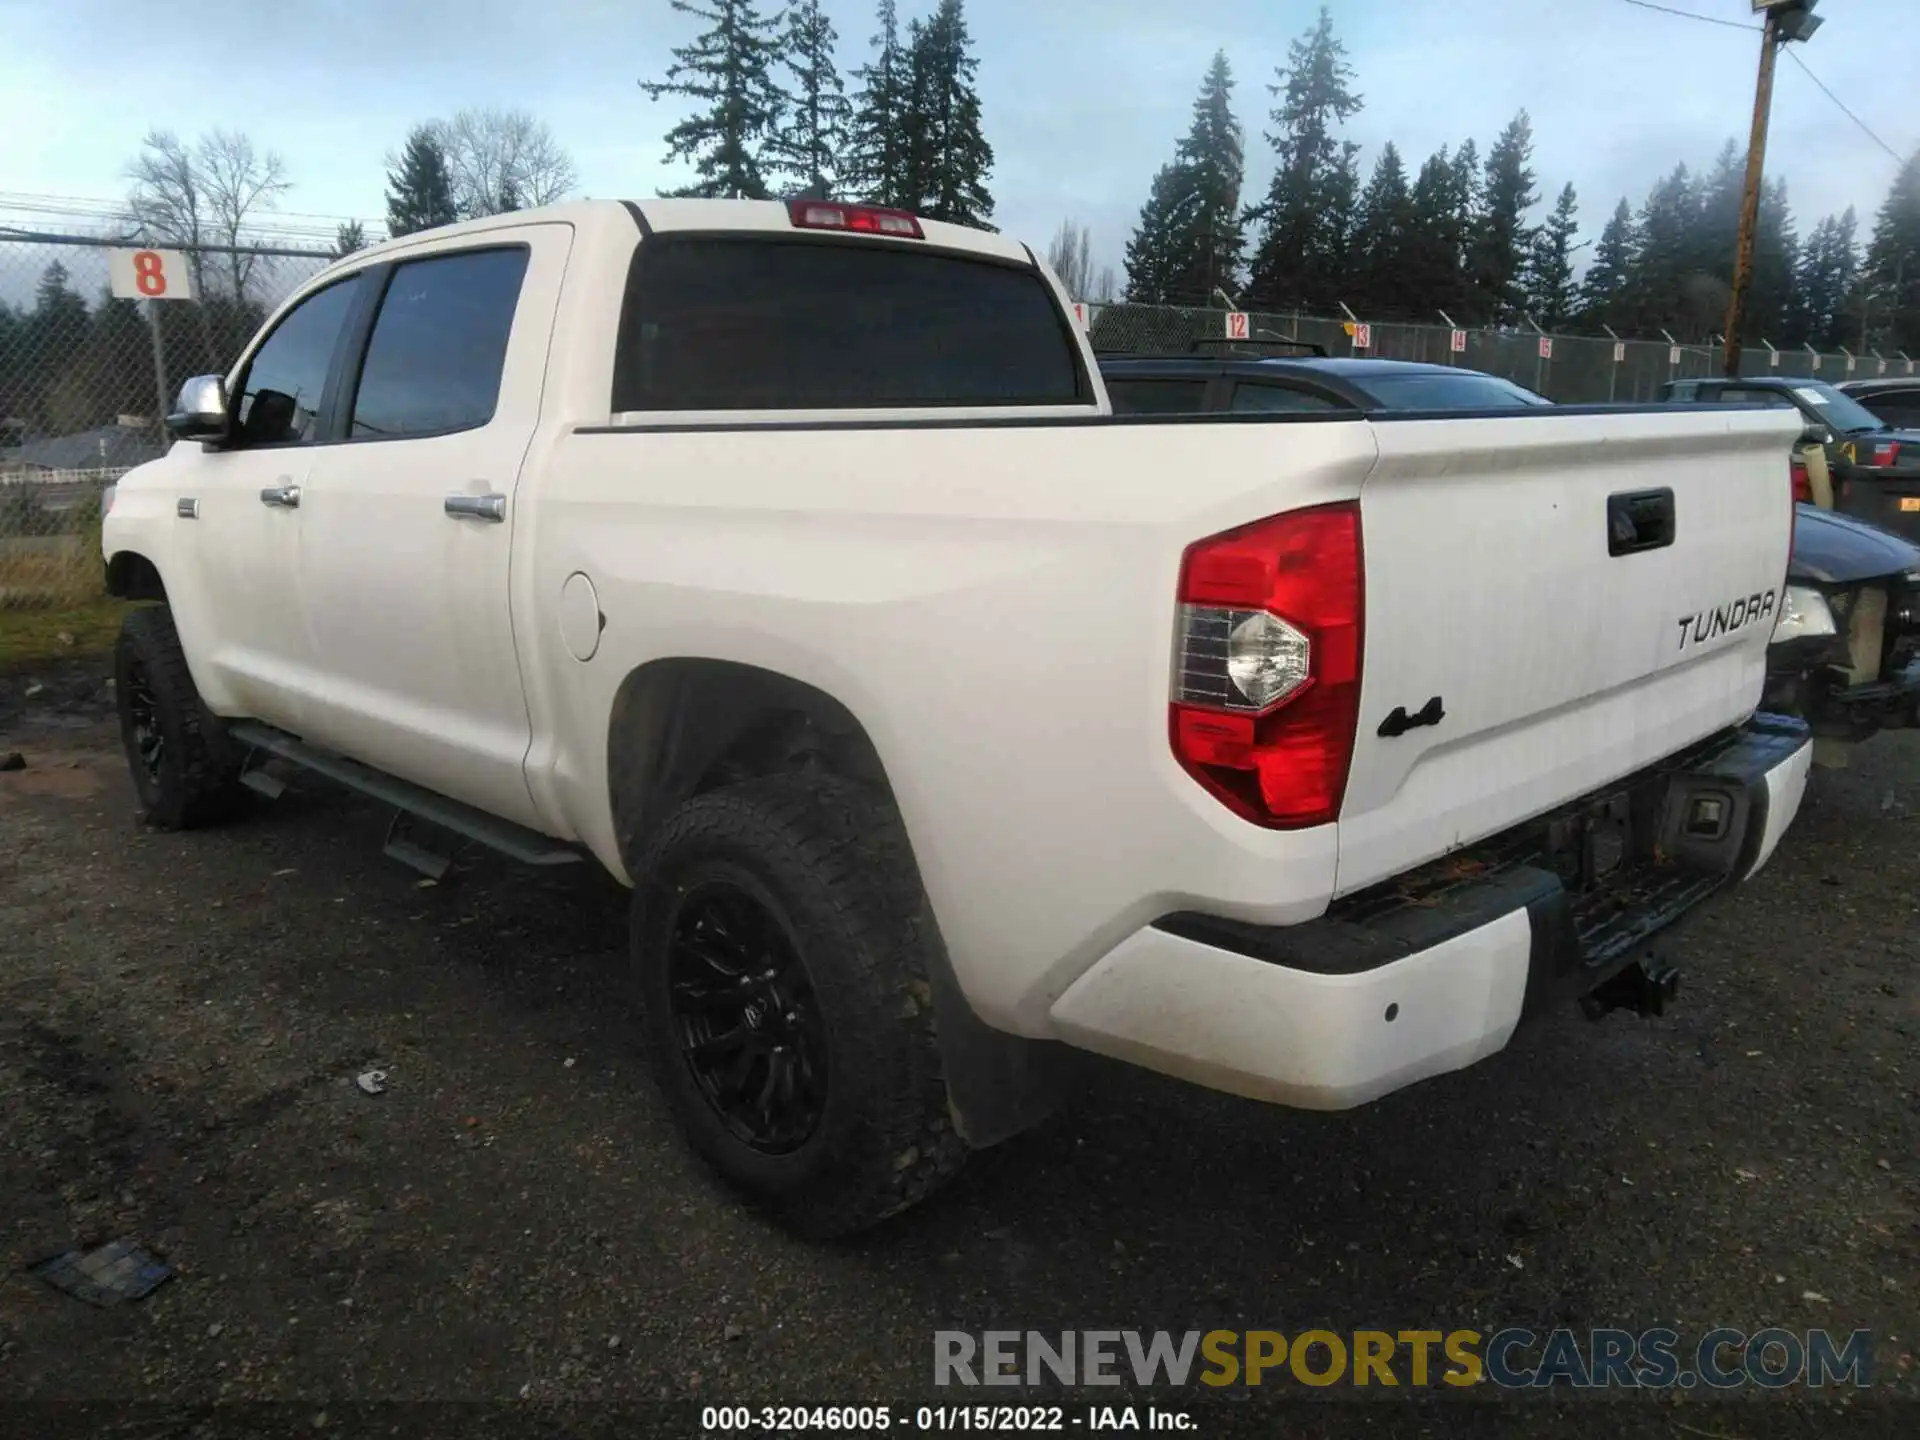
779 938
185 772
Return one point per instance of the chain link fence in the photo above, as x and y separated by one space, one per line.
86 378
1569 369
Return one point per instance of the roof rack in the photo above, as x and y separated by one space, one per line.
1265 342
1227 349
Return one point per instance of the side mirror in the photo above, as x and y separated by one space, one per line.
201 411
1816 435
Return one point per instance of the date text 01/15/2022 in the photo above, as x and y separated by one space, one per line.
878 1419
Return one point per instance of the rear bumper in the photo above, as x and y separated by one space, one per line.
1435 969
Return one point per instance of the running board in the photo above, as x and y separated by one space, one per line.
516 841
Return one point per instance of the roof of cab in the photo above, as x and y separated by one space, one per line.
667 216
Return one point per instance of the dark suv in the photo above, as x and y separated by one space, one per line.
1875 466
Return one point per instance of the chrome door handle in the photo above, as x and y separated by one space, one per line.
477 507
283 497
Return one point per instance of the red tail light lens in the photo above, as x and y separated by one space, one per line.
858 219
1885 453
1266 685
1802 486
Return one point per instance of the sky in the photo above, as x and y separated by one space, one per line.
1082 99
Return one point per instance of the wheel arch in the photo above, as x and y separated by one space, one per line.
681 726
132 576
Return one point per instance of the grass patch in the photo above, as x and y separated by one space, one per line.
36 636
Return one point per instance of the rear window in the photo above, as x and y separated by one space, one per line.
751 324
1447 392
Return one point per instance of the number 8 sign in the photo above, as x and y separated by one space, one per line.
149 275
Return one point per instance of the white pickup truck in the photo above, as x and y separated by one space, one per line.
787 560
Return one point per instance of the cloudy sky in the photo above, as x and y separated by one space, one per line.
1083 98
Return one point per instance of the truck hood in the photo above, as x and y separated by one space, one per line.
1834 549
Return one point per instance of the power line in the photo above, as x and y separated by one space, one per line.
1693 15
1865 129
1792 54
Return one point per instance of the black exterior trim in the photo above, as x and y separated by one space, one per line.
942 422
639 219
1581 936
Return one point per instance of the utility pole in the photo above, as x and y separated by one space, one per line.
1785 20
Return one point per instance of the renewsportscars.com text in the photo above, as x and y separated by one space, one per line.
1512 1358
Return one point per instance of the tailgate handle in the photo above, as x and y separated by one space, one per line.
1639 520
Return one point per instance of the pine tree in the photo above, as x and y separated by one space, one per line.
1502 237
1549 294
1893 260
349 236
1150 260
809 147
877 144
1190 237
1385 239
729 68
1432 277
948 157
1614 258
1771 301
1294 258
1213 155
1828 268
1656 293
419 188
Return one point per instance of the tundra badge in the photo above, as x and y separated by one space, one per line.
1708 624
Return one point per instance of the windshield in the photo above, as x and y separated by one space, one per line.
1426 391
1841 411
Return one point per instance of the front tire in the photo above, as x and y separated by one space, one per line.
184 771
779 936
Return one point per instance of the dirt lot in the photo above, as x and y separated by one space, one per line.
514 1220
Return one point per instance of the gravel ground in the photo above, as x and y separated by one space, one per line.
514 1220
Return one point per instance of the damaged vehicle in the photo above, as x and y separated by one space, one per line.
1846 646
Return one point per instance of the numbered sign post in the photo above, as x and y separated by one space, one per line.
1673 355
150 275
1457 342
1239 325
1546 347
1362 337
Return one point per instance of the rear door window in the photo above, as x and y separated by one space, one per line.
1448 392
439 346
1256 399
731 323
1157 396
1899 408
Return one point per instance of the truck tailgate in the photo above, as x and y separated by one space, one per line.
1559 665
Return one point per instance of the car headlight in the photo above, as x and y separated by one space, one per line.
1803 614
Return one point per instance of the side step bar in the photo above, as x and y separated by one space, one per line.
516 841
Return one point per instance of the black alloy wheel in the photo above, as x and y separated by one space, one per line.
746 1017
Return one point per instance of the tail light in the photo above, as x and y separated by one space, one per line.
859 219
1885 453
1266 682
1802 486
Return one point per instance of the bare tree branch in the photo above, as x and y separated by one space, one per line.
502 160
1071 256
238 181
167 201
203 195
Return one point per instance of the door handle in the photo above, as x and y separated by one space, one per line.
477 507
281 497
